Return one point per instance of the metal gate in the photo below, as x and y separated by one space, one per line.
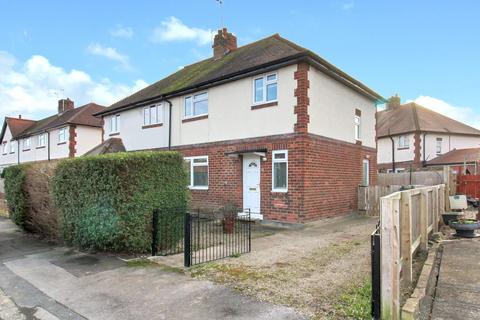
201 237
376 284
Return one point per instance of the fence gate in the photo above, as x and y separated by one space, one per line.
469 184
375 256
201 237
216 236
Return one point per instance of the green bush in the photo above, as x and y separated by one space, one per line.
106 202
15 194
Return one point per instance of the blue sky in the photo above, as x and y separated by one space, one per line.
427 51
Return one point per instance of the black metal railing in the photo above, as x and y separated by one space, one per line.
201 237
217 236
376 283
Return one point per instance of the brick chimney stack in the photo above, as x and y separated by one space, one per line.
65 105
223 43
393 102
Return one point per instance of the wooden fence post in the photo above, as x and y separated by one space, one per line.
406 237
424 219
446 191
436 207
390 257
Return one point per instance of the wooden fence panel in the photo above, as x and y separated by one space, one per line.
423 178
369 198
406 219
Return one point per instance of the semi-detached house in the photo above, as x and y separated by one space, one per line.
71 132
269 125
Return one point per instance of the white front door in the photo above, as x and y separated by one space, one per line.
251 183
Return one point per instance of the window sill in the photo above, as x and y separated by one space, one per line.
156 125
264 105
114 134
60 143
205 116
41 147
403 148
198 188
280 191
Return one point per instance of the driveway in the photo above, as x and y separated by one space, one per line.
42 281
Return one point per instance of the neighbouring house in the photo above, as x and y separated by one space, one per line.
69 133
409 135
464 161
269 125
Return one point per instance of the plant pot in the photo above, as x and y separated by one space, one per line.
228 224
465 230
451 216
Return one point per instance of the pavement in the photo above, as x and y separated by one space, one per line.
42 281
457 295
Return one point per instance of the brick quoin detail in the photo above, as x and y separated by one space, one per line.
417 149
72 141
303 101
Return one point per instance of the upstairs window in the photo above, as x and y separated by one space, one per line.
4 147
403 142
153 115
196 105
26 144
13 146
438 147
357 123
62 135
265 89
198 172
280 171
42 140
114 124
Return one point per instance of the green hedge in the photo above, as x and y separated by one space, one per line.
15 194
106 202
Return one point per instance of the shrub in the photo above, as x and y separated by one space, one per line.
15 177
106 202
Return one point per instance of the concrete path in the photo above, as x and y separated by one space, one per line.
41 281
457 296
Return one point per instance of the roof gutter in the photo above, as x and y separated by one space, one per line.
300 57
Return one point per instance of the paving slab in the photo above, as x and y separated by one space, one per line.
457 295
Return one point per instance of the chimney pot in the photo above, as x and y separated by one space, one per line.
223 43
393 102
65 105
19 116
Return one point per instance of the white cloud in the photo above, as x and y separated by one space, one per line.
122 32
109 53
347 6
33 87
466 115
172 29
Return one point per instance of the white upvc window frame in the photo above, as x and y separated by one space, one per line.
63 135
5 147
114 124
153 114
192 164
274 161
357 122
13 146
42 140
403 142
438 146
26 144
264 88
195 98
365 175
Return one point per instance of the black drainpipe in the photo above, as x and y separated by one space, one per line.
393 153
169 124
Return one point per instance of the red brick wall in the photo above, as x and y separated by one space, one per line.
323 176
